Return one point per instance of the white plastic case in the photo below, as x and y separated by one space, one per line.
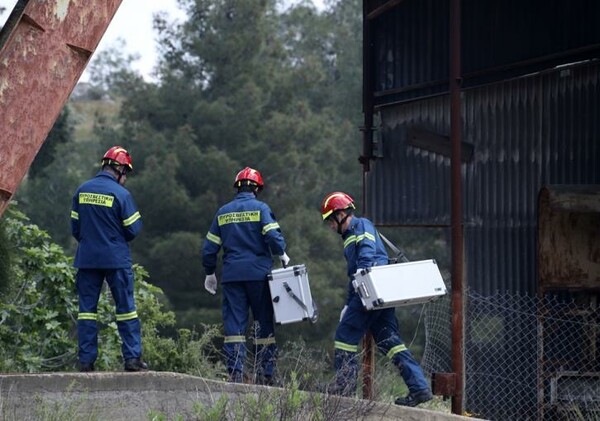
399 284
290 295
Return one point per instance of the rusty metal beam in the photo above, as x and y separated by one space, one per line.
386 7
456 216
42 56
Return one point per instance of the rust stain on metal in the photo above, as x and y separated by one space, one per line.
569 237
43 58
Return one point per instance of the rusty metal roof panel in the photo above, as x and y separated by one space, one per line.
411 49
501 39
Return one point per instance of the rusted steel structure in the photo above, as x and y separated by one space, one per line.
44 48
471 107
568 264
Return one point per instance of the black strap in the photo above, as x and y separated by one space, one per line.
313 318
400 257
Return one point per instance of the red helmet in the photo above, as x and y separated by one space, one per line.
117 155
251 176
334 202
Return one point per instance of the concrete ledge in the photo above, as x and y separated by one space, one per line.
134 396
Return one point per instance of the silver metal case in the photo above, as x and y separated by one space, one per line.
399 284
290 295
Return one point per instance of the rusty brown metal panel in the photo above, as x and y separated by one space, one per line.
41 61
569 237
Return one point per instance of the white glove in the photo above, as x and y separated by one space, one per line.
210 283
343 312
285 259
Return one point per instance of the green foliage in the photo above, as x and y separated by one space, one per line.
38 311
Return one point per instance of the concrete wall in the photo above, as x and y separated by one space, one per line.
135 396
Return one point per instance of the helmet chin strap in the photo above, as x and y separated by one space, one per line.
340 223
120 173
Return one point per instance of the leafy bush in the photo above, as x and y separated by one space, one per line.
38 312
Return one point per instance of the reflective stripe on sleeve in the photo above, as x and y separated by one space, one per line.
269 227
74 215
131 219
349 240
214 238
358 238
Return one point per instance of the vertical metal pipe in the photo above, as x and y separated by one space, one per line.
367 132
456 208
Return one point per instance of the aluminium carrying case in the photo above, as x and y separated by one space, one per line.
399 284
290 295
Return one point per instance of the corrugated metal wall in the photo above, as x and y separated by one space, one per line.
526 132
500 39
530 98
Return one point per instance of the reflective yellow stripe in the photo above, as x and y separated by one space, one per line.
368 236
232 339
238 217
349 240
127 316
345 347
74 215
395 350
269 227
131 219
96 199
326 215
358 238
214 238
264 341
87 316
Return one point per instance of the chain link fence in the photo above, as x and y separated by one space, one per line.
526 358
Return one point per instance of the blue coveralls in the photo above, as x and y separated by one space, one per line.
247 231
363 248
104 218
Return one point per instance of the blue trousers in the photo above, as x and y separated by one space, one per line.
89 285
238 297
384 327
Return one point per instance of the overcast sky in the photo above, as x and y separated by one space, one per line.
133 23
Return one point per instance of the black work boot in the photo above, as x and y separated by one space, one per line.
135 364
86 367
414 399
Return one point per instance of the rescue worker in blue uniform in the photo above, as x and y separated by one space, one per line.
249 234
363 248
104 218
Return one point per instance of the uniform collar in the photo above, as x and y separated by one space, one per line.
103 173
245 195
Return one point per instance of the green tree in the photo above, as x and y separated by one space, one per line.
240 83
61 133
